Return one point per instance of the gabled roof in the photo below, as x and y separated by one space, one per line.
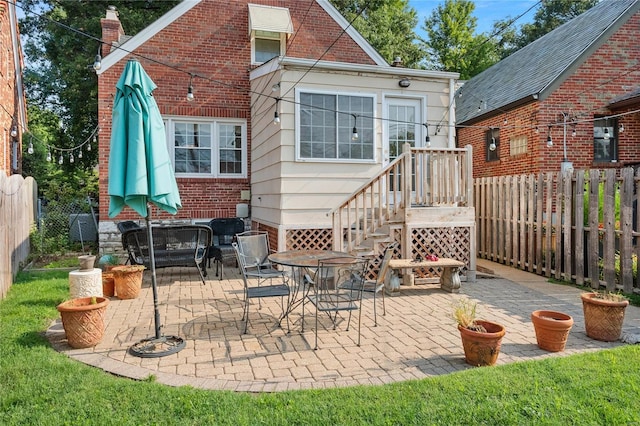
534 71
168 18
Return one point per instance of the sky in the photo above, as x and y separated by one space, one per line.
487 11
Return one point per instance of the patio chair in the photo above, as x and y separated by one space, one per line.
224 233
337 287
377 285
123 227
260 280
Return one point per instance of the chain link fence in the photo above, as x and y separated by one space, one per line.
64 227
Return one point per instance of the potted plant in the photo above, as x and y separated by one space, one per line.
481 339
552 329
128 280
83 320
603 314
107 262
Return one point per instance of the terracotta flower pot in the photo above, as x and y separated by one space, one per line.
552 329
108 284
83 321
603 318
128 281
480 348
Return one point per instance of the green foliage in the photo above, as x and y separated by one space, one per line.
601 203
39 385
389 25
452 45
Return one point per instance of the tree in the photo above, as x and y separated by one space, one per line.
452 45
61 40
389 25
550 15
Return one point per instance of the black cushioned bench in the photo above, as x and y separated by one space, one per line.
179 245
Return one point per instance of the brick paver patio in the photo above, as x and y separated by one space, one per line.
416 339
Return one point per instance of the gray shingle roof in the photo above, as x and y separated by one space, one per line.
531 70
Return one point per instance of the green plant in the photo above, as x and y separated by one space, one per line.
464 312
607 295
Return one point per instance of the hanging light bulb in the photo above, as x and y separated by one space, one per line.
49 156
190 96
549 140
30 149
60 160
537 129
89 145
71 159
574 132
427 139
354 133
80 154
97 62
606 135
276 115
492 145
621 128
14 132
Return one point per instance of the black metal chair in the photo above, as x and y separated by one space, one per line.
377 285
337 287
260 279
224 233
123 227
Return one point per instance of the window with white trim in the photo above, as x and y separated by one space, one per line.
268 29
326 125
518 145
208 148
605 140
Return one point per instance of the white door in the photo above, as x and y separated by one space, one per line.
404 125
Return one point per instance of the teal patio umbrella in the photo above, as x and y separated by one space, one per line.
141 173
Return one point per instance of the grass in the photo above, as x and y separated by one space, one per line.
39 386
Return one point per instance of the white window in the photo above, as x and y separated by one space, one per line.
208 148
518 145
268 29
327 123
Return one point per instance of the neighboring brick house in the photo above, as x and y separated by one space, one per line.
246 63
13 110
578 85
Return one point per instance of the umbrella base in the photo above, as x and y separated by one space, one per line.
156 348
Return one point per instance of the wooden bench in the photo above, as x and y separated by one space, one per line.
450 278
179 245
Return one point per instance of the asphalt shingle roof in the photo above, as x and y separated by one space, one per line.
531 70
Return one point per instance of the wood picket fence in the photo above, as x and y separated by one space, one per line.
18 201
580 226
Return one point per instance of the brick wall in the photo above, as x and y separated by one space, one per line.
8 101
606 74
212 40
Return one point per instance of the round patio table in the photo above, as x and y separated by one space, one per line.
301 261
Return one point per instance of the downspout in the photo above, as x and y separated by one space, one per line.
452 119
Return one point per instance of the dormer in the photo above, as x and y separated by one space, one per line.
269 28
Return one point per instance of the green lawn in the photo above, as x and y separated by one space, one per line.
39 386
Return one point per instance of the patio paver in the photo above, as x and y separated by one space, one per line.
416 339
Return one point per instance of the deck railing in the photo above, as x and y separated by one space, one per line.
418 178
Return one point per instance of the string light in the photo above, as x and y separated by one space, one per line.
276 115
549 140
71 159
60 160
492 145
49 156
30 149
427 139
354 133
97 63
621 128
606 135
190 96
14 132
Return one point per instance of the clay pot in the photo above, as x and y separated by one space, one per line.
128 281
83 320
480 348
603 318
108 284
86 262
552 329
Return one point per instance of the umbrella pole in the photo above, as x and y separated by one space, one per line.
160 345
154 282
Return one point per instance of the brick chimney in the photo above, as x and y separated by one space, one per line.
111 30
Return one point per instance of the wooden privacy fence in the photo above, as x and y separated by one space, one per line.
579 226
18 200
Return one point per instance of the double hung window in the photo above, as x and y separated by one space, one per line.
203 148
605 140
